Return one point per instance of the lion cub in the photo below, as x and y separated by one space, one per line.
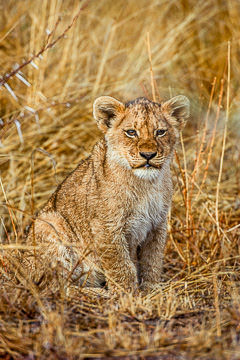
105 225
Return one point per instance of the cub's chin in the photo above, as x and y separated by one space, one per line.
147 172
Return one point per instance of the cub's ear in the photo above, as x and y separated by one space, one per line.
177 110
105 110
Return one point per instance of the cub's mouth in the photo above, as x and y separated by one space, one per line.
147 165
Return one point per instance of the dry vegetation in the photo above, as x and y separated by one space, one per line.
46 120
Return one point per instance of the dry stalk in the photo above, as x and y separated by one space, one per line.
33 208
151 68
187 200
9 211
213 135
144 89
6 232
224 135
103 61
216 300
202 142
184 191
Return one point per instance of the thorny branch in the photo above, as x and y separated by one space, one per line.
47 46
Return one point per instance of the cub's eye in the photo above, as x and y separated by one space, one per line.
161 132
131 133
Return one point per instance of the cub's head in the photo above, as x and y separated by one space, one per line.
141 134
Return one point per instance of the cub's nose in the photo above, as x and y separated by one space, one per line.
148 155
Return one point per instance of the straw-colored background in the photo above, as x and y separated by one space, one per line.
195 50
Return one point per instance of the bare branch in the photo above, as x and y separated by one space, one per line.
46 46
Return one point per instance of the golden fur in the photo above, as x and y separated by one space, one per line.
105 225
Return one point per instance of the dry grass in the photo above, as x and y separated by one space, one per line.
107 51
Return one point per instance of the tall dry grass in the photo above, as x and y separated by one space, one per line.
123 49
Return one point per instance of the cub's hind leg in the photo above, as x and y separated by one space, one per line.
60 256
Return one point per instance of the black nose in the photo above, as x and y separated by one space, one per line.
148 155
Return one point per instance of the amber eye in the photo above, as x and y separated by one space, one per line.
131 133
161 132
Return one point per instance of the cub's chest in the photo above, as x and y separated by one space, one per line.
147 214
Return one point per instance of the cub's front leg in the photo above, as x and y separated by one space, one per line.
151 259
115 259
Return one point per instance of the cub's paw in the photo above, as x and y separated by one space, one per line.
123 279
149 288
121 288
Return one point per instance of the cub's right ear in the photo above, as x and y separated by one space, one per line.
178 110
106 110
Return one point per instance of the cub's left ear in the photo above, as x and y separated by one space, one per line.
106 110
177 110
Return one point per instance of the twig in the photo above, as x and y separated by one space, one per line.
8 124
